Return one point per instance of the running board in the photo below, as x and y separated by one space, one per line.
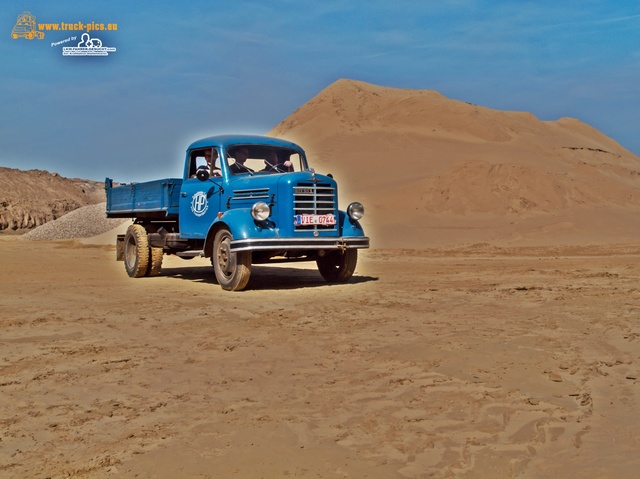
190 254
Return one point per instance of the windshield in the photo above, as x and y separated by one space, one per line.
262 159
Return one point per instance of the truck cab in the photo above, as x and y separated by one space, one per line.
242 200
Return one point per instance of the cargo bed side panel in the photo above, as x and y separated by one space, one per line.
158 196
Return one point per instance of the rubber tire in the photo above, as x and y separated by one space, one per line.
232 270
136 251
155 263
337 267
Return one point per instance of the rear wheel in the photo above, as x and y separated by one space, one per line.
337 266
232 269
155 263
136 251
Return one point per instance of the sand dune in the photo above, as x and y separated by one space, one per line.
425 164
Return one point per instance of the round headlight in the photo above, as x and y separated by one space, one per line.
355 211
260 211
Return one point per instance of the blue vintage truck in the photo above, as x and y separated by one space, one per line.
242 200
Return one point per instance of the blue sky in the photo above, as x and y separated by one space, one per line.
185 70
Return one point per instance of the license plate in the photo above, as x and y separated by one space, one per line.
302 220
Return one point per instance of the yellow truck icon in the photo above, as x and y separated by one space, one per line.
25 27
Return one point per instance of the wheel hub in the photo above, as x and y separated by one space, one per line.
224 257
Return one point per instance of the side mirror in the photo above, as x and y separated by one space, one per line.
202 173
329 175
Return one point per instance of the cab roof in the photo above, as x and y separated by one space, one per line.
225 141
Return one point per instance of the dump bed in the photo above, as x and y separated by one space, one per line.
151 199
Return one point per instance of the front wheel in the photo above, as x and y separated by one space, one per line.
232 269
338 267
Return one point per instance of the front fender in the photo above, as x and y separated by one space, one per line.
349 227
241 225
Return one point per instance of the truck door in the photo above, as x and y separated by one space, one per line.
199 200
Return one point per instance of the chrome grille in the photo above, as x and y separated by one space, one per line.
315 199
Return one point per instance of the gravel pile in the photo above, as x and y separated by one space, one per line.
84 222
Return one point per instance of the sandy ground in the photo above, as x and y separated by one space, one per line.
443 363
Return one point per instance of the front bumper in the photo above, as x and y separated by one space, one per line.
258 244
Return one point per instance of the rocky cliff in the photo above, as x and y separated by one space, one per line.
34 197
